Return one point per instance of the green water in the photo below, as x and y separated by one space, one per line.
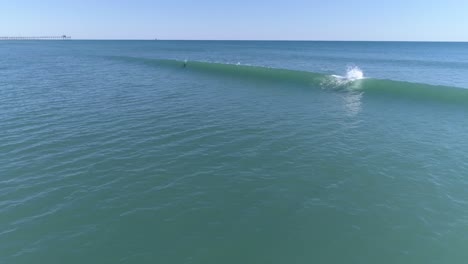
114 152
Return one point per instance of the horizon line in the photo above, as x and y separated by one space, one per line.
278 40
68 37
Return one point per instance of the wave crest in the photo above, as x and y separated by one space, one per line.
354 80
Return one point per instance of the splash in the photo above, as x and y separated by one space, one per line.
347 81
354 73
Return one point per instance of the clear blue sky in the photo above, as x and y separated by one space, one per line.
238 19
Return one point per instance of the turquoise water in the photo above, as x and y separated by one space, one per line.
233 152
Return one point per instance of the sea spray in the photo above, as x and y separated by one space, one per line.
354 73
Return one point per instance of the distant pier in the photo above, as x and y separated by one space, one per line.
36 38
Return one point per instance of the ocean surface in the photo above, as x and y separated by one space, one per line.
233 152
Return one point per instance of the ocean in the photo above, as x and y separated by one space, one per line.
233 152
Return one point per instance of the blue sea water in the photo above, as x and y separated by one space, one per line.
233 152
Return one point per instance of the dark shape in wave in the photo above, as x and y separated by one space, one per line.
370 86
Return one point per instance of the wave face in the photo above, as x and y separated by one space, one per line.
353 80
